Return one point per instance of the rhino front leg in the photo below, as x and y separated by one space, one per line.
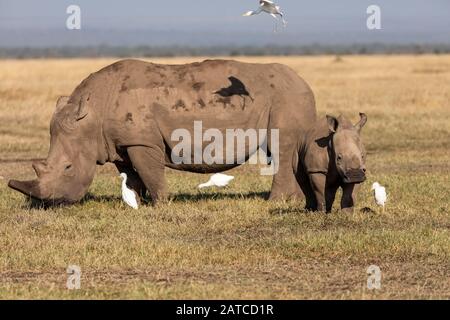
318 182
348 197
330 195
133 181
305 184
149 163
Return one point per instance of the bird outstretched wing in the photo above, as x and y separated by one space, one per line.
265 2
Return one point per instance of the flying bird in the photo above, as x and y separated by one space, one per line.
379 193
268 7
218 180
129 196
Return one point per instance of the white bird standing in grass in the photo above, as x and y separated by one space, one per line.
128 195
379 193
217 180
267 7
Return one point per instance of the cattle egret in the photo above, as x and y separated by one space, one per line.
267 7
379 193
218 180
128 195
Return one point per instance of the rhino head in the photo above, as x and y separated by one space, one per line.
69 169
347 149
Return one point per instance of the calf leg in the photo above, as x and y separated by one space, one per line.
348 197
149 163
305 184
318 182
330 195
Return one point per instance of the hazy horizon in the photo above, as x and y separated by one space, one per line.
207 22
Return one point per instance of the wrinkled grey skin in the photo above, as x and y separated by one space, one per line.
68 170
332 157
126 113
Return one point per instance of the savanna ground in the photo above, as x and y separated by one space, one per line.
231 243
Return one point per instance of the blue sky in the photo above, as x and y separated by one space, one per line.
136 22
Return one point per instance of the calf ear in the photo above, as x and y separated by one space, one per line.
83 107
361 122
61 102
332 123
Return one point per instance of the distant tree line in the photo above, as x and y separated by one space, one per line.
176 51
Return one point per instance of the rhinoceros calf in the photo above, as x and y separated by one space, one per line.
127 112
333 156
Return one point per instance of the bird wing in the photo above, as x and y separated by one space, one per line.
129 197
266 2
223 183
380 196
383 194
252 13
220 179
279 11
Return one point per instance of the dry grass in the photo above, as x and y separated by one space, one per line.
231 243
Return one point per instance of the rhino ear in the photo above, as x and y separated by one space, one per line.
332 123
361 122
83 107
61 102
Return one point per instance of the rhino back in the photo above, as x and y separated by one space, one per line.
196 87
221 93
140 101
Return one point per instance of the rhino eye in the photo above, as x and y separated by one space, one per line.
68 167
339 157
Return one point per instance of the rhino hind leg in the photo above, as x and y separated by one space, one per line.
285 187
149 163
284 183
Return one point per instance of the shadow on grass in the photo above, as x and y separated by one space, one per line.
291 210
368 210
103 198
195 197
33 203
300 210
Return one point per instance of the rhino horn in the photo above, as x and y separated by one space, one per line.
28 188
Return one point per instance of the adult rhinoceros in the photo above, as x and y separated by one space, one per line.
126 113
